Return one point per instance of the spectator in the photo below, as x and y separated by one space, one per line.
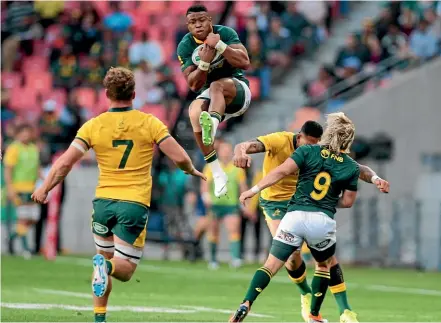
382 25
117 21
169 91
93 73
395 41
145 81
71 119
122 59
434 22
325 80
423 44
107 44
368 32
251 28
315 12
76 34
278 42
181 30
66 69
296 22
258 64
50 127
351 66
88 10
147 50
352 49
262 12
21 30
375 50
48 11
407 20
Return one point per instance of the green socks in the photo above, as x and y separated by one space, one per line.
337 286
319 285
213 251
298 276
261 279
100 314
110 268
235 249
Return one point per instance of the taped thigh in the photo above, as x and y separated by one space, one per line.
129 253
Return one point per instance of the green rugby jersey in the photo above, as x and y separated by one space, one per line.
323 177
218 69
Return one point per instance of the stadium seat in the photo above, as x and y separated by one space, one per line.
152 7
102 7
40 81
157 110
41 48
254 86
128 5
11 80
180 7
302 115
215 6
35 64
23 99
87 97
242 8
168 51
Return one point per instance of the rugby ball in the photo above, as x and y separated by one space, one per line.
217 60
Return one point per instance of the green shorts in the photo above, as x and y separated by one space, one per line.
127 220
273 210
25 198
221 211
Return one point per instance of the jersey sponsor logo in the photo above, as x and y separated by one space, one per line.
286 236
325 153
276 212
337 158
323 244
99 228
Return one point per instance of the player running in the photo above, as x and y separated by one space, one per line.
213 59
22 161
225 209
123 140
274 202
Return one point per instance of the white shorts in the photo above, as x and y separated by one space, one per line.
316 228
28 212
206 95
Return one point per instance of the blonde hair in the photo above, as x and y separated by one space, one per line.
119 83
339 133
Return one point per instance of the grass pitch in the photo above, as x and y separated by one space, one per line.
40 291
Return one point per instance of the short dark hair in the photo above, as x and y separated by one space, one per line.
312 128
196 8
23 127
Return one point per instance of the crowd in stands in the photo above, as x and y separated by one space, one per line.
405 32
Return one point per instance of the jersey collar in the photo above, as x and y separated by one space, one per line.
123 109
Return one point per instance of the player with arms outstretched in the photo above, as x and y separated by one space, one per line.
123 140
213 59
274 202
327 179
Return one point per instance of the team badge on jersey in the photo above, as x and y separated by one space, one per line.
325 153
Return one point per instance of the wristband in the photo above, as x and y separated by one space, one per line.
374 178
203 66
255 189
221 47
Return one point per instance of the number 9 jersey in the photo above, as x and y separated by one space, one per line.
123 140
323 176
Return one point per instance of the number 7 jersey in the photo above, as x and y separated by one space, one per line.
123 140
323 176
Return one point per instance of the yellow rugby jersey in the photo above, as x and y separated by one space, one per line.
123 140
279 146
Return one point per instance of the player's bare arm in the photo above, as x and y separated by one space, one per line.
179 156
369 176
196 76
241 158
287 168
59 170
347 199
235 54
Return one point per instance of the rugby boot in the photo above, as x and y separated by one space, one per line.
348 317
240 314
100 277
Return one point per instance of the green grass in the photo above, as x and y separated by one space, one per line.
377 295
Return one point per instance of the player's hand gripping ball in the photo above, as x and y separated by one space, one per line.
207 54
212 40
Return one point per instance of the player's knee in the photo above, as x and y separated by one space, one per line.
294 261
216 86
322 265
127 276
